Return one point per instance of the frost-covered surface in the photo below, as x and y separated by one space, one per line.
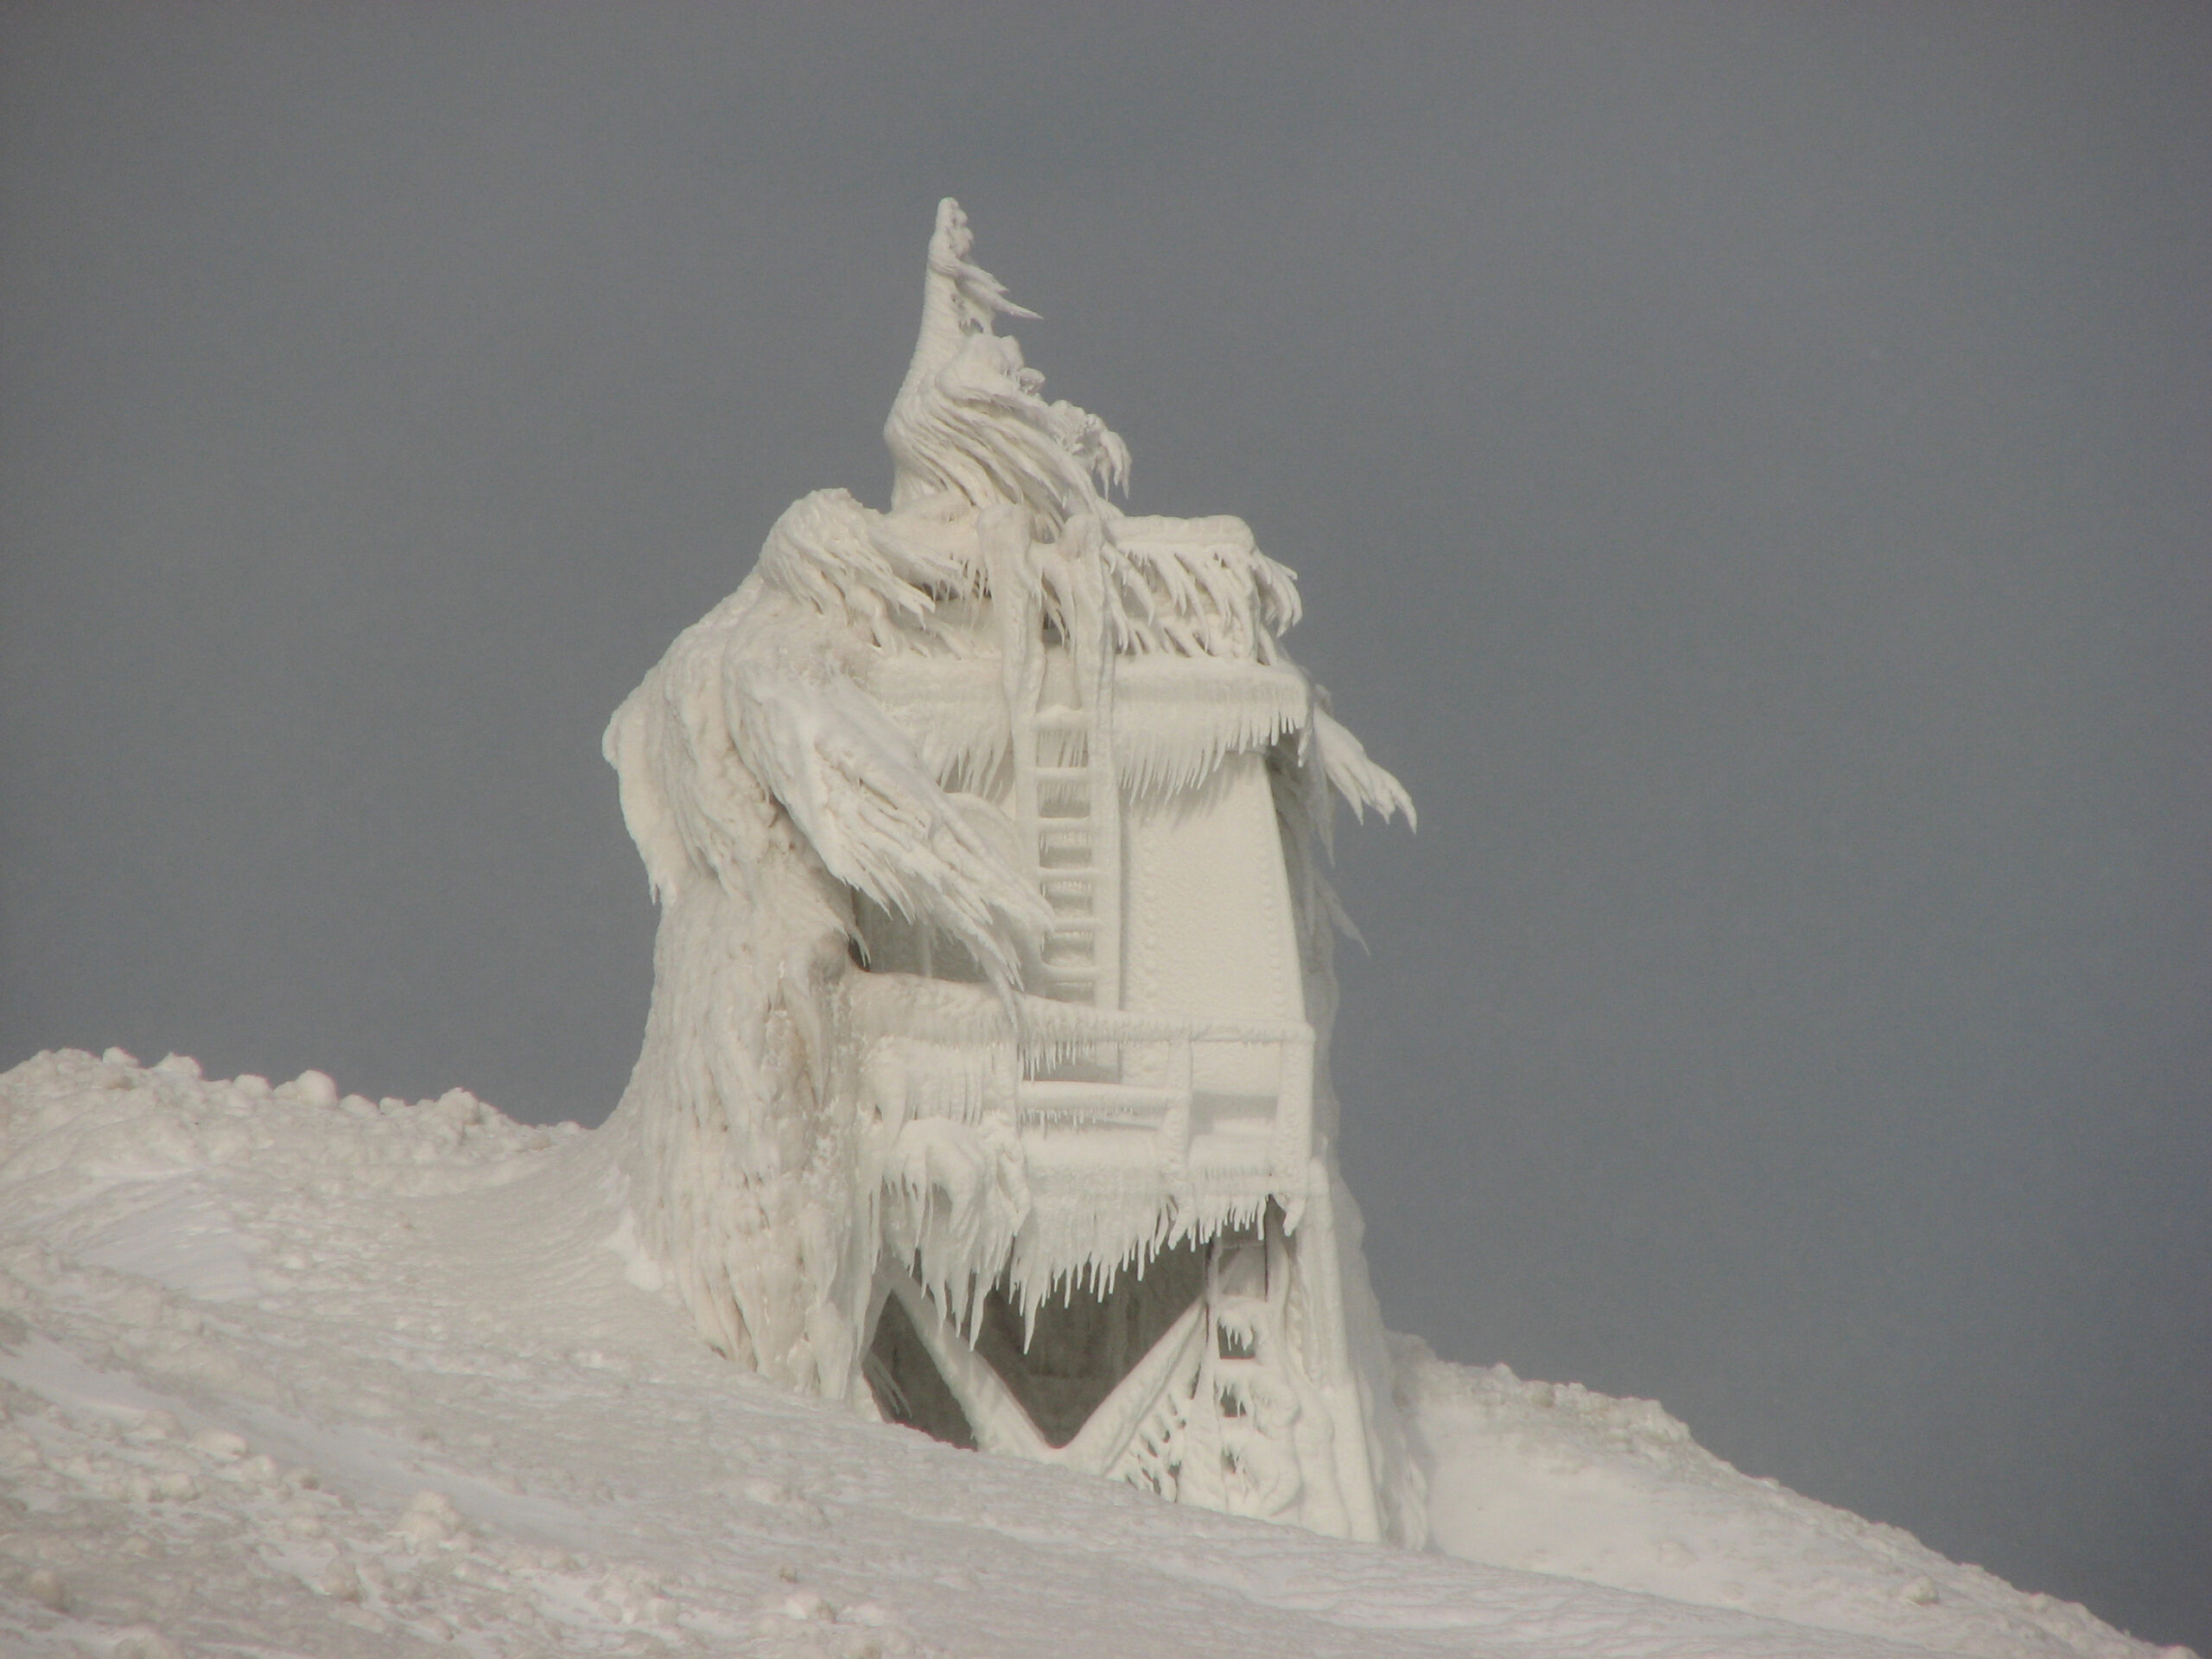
994 961
285 1374
839 735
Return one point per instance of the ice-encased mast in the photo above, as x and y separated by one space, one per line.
986 1081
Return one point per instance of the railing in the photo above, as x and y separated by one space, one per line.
1234 1093
1237 1096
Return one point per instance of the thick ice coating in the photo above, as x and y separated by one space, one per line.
985 1083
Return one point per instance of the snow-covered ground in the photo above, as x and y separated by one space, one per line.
285 1374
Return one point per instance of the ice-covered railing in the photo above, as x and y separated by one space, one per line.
1128 1131
1071 1065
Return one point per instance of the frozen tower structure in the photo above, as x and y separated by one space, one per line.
985 1085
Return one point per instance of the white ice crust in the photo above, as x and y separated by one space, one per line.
838 780
285 1371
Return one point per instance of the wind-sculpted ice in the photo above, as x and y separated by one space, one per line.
985 1083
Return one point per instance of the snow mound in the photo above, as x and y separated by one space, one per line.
285 1373
1554 1478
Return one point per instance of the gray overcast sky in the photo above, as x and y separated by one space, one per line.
1750 469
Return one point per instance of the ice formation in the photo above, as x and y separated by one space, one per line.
288 1370
985 1083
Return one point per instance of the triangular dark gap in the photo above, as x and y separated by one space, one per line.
1084 1344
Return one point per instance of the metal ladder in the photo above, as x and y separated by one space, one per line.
1248 1398
1067 798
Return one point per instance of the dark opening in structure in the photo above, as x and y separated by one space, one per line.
1082 1345
908 1386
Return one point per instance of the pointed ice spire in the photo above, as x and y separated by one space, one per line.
967 421
959 298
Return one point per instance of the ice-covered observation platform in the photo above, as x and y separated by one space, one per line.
986 1082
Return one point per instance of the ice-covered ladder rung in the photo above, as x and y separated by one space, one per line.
1070 895
1064 852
